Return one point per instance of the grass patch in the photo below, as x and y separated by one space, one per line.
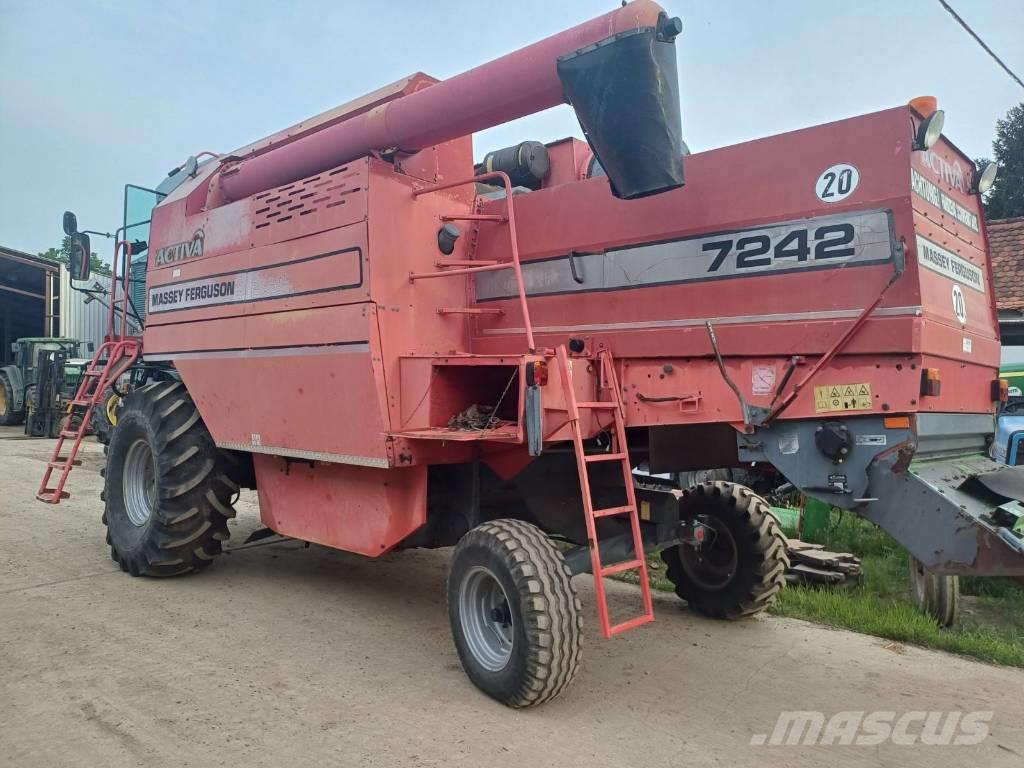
898 619
992 610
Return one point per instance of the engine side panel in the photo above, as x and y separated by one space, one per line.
358 509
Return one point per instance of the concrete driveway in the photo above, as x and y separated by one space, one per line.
286 655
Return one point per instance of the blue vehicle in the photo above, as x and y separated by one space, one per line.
1008 446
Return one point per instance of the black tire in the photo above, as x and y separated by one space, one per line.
100 422
9 416
935 596
541 607
741 566
187 503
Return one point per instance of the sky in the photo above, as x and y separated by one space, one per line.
95 94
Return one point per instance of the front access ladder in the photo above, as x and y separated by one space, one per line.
120 355
619 452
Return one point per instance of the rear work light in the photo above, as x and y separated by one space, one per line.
930 130
931 382
1000 390
983 178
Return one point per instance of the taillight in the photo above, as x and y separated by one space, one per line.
1001 390
931 382
536 373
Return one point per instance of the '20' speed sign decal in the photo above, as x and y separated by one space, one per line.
959 305
837 183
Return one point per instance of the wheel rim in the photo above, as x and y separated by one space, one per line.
111 409
139 483
713 565
486 619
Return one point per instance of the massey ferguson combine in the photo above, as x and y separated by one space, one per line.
397 348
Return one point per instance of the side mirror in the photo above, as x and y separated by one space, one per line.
90 346
70 223
80 261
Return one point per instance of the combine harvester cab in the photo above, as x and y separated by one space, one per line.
398 349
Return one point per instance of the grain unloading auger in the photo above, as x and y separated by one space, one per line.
397 349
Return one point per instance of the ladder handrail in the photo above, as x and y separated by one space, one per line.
127 246
514 264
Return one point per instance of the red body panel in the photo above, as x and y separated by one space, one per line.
369 510
332 354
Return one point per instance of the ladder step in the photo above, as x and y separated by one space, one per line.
93 373
49 495
474 217
600 404
68 433
604 457
466 263
470 311
646 618
81 402
609 511
61 463
625 565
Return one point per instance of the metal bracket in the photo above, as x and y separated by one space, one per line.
752 415
572 267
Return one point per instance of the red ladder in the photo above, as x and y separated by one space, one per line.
472 266
620 453
121 354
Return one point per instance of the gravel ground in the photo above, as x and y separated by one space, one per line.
282 654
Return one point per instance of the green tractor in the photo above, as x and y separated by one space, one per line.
38 387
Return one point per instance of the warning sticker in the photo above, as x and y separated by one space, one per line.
842 397
762 379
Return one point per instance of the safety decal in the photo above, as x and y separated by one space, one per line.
762 379
842 397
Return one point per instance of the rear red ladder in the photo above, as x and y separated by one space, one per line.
608 381
120 354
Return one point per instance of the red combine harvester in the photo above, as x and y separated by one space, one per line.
398 349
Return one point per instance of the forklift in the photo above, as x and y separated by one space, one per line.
38 387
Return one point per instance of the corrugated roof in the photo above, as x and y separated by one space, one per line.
46 263
1006 241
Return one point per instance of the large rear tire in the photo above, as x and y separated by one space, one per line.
8 416
167 495
514 614
740 567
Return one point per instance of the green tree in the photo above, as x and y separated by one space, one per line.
1006 198
62 255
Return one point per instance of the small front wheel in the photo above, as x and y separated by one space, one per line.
740 566
514 614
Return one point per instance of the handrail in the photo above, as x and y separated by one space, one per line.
514 264
113 289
